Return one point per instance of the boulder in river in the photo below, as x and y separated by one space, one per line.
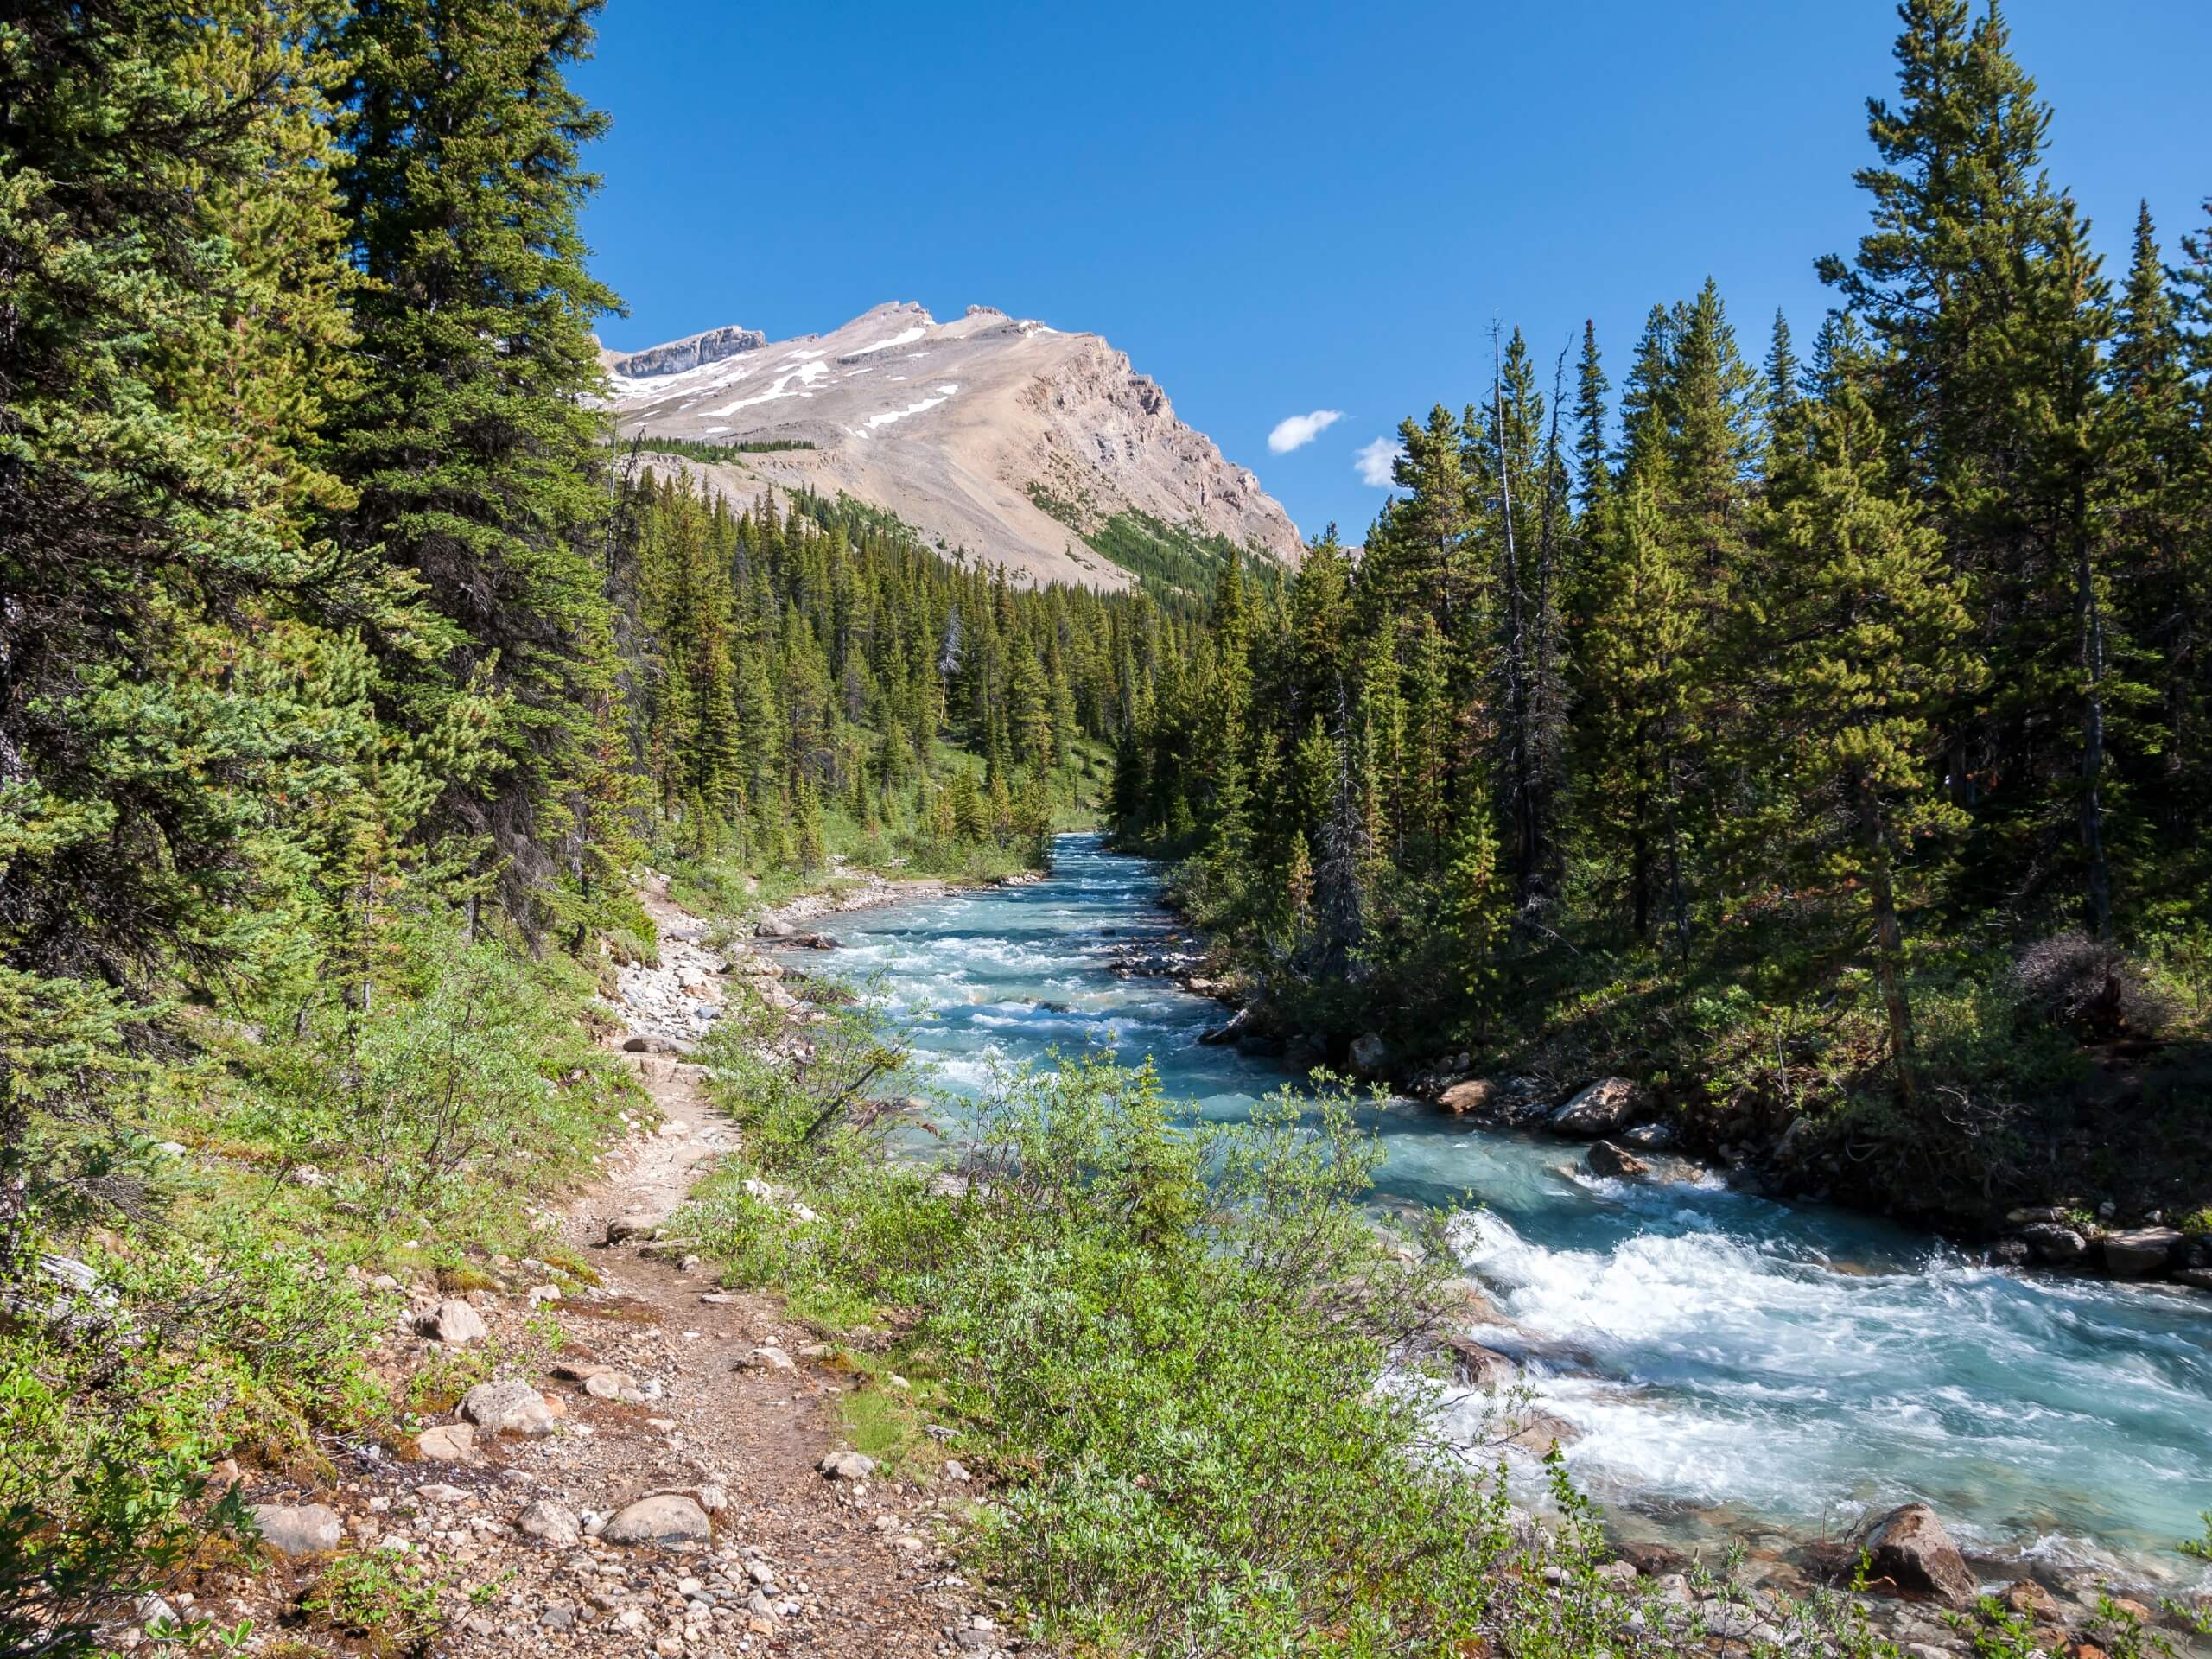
2143 1249
1480 1367
1471 1097
1371 1055
1538 1432
1229 1029
1606 1158
1604 1109
1910 1548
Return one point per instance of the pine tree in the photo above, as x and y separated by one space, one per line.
1417 557
176 660
1967 281
1783 395
1637 673
1593 477
1476 902
471 447
1875 645
2159 483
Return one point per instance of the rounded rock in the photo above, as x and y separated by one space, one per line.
550 1523
454 1323
509 1406
297 1530
663 1518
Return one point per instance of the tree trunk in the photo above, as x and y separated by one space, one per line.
2097 895
1889 941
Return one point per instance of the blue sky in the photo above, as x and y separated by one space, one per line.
1279 209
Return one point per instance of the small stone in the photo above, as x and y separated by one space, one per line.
454 1323
510 1406
550 1523
558 1616
448 1443
540 1294
666 1517
955 1470
298 1529
610 1385
846 1465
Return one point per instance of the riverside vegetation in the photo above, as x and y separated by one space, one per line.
1825 752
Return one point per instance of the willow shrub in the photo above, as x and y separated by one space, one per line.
1170 1339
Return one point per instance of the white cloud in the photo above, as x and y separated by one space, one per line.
1373 461
1302 430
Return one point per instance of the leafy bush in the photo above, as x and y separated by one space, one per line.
181 1302
1172 1337
393 1607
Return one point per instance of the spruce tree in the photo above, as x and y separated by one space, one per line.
175 656
1593 477
1875 645
471 445
2160 494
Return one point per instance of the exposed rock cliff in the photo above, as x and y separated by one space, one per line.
994 436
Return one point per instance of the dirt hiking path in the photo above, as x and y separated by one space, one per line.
669 1478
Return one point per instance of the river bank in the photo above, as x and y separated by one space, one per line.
2079 1187
1733 1366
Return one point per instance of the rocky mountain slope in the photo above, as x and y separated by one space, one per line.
1004 439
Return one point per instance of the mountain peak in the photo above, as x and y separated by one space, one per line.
997 437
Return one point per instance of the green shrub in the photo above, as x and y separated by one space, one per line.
392 1606
1169 1336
